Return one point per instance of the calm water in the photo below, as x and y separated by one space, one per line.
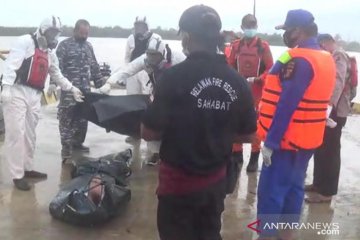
112 51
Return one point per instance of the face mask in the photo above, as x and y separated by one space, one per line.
288 39
139 35
153 60
250 33
51 36
52 44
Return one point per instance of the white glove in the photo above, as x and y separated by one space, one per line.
51 90
266 153
328 111
77 94
251 79
6 95
331 123
105 89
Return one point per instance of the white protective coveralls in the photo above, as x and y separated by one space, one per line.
139 65
22 104
137 83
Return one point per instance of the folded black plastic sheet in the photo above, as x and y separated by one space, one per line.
120 114
72 204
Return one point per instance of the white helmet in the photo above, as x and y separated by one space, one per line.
141 19
49 32
156 45
50 22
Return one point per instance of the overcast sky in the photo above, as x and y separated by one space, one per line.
332 16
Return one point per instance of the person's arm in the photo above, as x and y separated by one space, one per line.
157 116
341 70
130 45
232 58
247 117
14 60
130 70
96 75
61 54
268 61
295 80
149 135
56 75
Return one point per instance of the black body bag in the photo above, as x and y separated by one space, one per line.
97 192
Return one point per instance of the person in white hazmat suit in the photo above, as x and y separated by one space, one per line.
158 57
29 62
135 46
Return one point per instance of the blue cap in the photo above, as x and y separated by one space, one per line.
297 18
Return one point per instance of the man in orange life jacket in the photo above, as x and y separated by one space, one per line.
252 58
292 118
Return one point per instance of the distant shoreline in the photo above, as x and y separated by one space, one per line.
167 34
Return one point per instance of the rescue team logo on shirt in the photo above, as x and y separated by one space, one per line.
213 104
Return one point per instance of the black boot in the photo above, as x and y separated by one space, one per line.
66 152
238 156
253 163
81 148
21 184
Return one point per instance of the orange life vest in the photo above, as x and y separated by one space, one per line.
306 128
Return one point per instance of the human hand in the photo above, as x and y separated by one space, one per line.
51 89
105 89
77 94
267 153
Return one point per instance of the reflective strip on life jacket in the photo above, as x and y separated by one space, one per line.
306 128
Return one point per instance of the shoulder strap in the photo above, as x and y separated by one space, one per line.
259 46
241 43
168 53
34 39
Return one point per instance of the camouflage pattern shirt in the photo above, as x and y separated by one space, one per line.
78 63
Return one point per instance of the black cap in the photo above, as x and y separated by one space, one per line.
201 20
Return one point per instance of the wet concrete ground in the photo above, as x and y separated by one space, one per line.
25 215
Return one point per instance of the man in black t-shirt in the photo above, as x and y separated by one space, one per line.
200 107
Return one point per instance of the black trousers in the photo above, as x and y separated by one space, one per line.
195 216
327 160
